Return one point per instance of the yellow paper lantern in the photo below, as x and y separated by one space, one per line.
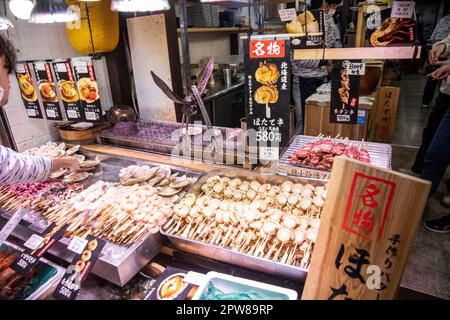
99 32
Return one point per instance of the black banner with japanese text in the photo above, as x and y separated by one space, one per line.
47 90
28 91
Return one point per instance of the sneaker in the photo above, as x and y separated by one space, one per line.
445 202
441 225
425 106
408 172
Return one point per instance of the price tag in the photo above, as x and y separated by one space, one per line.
403 9
356 69
31 112
269 153
287 14
33 242
77 245
361 117
72 114
50 113
11 224
90 115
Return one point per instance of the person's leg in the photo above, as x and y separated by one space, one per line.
437 157
434 119
428 92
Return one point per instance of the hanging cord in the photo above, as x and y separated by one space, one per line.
90 29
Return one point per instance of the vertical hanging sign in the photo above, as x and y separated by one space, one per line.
47 90
345 91
267 90
68 90
88 89
28 91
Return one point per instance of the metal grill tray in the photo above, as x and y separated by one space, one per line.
117 264
231 256
380 156
164 138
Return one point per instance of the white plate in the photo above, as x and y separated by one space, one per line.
82 125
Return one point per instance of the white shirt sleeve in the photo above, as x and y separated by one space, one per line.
20 168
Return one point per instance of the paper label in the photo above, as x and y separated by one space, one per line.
287 14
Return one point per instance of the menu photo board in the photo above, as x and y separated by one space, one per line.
28 90
88 89
47 90
308 30
267 90
388 28
345 91
68 91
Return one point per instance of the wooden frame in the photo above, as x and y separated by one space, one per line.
383 53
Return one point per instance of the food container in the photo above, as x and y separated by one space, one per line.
47 288
233 257
230 284
77 136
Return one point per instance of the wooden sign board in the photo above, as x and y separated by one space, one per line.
368 225
386 114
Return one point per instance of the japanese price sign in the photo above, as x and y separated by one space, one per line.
47 90
367 229
403 9
12 223
68 90
345 92
87 253
36 247
88 89
287 14
267 78
28 91
311 30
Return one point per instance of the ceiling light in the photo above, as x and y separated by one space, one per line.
21 8
139 5
51 11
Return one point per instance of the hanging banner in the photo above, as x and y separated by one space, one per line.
88 89
28 91
47 90
386 30
345 91
68 90
307 30
267 83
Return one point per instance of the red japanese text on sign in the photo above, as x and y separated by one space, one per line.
69 71
91 72
49 73
366 212
267 49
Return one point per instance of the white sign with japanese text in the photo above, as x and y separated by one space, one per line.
403 9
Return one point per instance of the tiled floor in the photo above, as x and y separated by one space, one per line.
428 268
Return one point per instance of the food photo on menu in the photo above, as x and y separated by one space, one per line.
261 154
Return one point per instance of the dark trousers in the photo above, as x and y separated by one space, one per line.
308 87
428 92
434 119
437 158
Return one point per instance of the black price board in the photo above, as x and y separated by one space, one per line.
386 30
87 253
170 285
345 91
310 27
47 90
68 90
36 246
28 91
88 89
267 90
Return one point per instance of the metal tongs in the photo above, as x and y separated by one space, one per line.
190 102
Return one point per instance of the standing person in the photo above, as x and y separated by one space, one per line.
310 74
16 167
440 50
440 32
437 158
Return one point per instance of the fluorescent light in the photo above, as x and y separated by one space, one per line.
52 11
139 5
5 23
21 8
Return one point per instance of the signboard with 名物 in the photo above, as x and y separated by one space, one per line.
267 78
367 228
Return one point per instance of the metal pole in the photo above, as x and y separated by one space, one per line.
185 48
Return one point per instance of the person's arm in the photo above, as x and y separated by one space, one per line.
20 168
440 49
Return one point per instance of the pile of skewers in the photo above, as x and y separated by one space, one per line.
320 152
276 222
